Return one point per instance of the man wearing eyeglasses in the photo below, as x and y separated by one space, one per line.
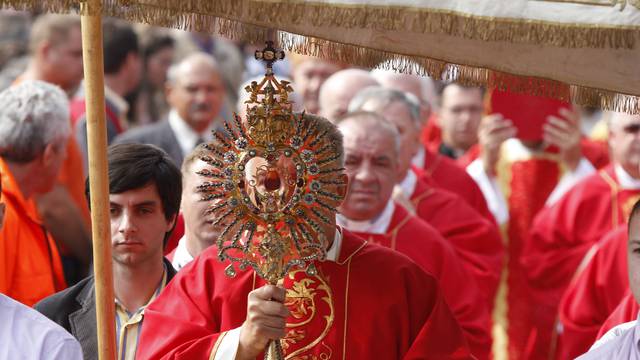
564 236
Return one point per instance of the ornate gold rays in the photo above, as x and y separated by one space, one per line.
272 182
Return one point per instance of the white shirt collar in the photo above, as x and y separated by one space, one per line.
332 253
419 158
116 100
625 180
378 225
408 185
186 136
182 256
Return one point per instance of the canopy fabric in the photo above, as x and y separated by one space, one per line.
533 46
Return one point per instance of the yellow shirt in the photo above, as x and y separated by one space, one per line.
128 325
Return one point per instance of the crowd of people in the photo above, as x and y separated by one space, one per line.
463 233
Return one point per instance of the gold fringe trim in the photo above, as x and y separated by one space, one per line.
196 15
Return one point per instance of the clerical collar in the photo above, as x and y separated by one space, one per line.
408 185
625 180
186 136
419 158
377 225
181 257
333 252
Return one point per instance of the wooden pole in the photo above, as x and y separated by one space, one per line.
98 180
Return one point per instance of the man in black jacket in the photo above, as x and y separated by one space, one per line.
145 191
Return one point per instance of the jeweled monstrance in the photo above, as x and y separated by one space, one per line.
272 184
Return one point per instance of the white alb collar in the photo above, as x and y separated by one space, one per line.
378 225
625 180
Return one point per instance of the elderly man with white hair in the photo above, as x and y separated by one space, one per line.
195 91
34 130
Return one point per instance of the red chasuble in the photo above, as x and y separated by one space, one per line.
626 311
526 181
372 303
422 243
476 240
563 234
593 295
444 173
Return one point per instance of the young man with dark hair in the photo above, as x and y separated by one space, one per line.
122 74
145 190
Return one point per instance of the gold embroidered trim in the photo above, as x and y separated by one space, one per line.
224 18
300 290
614 197
346 307
348 259
393 233
216 346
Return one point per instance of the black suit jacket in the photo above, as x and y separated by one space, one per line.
159 134
75 310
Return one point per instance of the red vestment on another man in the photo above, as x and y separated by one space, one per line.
525 180
476 240
424 245
626 311
371 303
593 295
563 234
444 173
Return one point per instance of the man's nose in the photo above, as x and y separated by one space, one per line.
364 174
127 223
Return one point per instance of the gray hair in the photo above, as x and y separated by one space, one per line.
360 117
383 97
33 114
197 58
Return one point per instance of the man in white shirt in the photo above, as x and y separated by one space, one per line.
26 334
195 91
623 341
198 232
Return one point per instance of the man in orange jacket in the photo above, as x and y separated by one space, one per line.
33 137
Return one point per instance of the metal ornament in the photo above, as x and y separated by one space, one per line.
273 184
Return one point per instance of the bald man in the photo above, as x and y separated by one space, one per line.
338 90
195 91
309 73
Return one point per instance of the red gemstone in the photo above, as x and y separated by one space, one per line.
272 180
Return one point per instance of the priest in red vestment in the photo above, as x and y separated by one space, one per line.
593 295
563 233
435 169
475 239
363 302
371 163
518 178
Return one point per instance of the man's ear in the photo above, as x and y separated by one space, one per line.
171 224
342 187
44 49
48 154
